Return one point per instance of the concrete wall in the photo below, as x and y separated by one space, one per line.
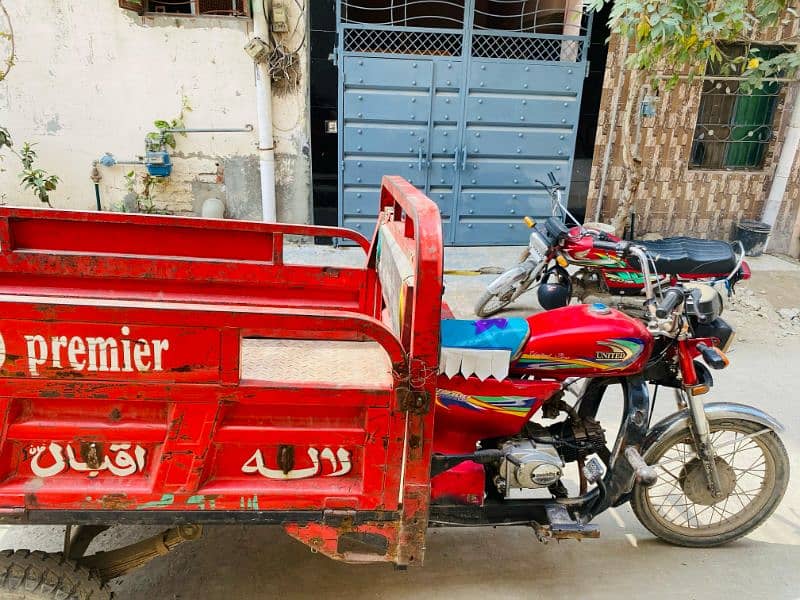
91 78
673 199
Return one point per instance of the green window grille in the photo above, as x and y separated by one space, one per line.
734 128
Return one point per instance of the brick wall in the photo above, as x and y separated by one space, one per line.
673 199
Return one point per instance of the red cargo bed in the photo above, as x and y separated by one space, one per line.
164 369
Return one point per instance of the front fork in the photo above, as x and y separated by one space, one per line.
690 397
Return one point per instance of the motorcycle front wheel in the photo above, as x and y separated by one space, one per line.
679 508
490 303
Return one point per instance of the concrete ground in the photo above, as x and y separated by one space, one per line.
262 562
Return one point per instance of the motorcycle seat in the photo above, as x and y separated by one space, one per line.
483 347
684 255
486 334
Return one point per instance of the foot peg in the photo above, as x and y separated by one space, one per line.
645 474
561 526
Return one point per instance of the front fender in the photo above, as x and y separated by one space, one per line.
509 278
715 411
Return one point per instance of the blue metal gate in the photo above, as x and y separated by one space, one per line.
471 108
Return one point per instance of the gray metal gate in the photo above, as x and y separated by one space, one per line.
470 114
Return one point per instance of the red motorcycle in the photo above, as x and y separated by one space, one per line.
685 477
602 271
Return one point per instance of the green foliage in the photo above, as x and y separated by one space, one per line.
39 181
159 139
684 36
143 188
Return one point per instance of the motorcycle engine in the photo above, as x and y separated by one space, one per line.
528 465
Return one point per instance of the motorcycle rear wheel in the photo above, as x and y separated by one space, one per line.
679 509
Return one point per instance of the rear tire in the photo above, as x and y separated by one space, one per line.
655 506
26 575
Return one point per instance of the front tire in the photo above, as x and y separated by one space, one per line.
490 303
26 575
679 509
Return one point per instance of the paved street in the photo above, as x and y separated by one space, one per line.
626 561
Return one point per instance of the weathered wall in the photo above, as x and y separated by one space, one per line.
673 199
91 77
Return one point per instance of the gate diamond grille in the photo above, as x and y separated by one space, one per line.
526 48
383 41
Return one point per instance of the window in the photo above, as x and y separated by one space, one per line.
237 8
734 128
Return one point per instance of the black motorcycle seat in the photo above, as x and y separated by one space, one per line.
689 255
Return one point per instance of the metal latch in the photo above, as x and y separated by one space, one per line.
413 401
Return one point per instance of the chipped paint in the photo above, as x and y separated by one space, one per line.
96 115
166 500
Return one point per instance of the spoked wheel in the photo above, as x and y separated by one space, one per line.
489 303
680 509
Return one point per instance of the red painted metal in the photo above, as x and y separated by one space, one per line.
120 383
583 339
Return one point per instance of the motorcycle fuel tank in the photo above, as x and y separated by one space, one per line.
584 340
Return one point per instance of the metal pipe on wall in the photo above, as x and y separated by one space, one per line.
783 171
266 143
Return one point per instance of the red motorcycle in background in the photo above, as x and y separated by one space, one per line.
602 271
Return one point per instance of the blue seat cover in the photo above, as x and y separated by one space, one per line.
485 334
